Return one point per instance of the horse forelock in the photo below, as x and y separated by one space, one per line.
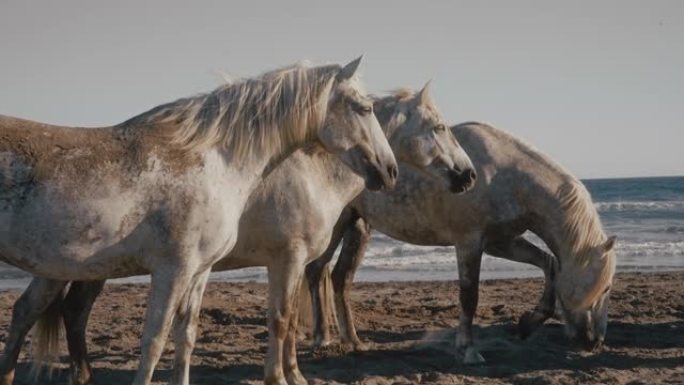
251 116
386 108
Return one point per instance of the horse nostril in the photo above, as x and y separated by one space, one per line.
472 175
392 171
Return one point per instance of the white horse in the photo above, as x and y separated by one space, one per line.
518 189
163 193
285 223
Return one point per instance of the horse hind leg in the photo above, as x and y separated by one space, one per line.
316 277
469 256
356 240
40 295
76 309
522 250
185 327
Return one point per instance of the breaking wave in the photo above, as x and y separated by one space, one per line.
604 207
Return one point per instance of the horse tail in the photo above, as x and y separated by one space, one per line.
305 311
45 339
305 307
327 296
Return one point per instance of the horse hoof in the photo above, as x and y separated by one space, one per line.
295 377
81 380
360 346
472 357
322 343
88 381
529 323
279 381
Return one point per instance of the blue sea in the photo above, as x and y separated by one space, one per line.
647 215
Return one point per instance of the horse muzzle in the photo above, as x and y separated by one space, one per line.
379 176
461 181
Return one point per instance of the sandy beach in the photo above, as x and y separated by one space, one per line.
410 328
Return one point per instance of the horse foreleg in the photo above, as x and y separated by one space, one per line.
167 288
39 295
76 309
522 250
290 365
353 249
187 317
284 278
469 256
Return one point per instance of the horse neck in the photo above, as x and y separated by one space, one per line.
261 165
339 178
552 225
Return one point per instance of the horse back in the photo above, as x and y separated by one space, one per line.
517 183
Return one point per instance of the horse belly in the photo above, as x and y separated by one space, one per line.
271 229
61 236
412 221
414 232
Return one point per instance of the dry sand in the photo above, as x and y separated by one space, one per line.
411 330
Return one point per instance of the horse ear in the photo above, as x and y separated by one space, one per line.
609 244
424 94
350 69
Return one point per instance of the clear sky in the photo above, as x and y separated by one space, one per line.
599 85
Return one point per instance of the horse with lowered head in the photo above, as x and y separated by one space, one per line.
518 189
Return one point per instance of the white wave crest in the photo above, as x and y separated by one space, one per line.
403 256
639 206
648 249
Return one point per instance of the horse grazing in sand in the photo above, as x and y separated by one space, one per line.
518 189
163 193
286 223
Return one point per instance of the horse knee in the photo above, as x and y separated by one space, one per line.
280 325
152 344
497 248
362 229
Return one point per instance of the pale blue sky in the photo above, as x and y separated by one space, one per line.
599 85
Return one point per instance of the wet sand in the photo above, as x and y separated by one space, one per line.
410 328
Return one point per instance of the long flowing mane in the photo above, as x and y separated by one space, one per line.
581 224
251 116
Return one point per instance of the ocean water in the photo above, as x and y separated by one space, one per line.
646 214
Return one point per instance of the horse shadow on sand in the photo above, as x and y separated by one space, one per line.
421 352
505 353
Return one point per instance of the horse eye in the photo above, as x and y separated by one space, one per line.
440 128
362 110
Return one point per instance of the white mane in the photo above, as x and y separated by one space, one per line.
251 116
582 224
